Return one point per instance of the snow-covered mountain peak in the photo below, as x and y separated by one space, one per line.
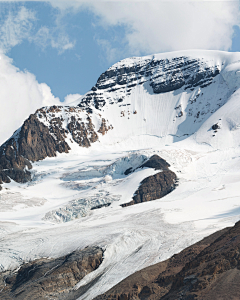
158 99
210 57
163 72
167 97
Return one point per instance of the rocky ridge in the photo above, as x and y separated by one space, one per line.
43 134
209 269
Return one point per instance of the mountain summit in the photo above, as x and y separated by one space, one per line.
165 96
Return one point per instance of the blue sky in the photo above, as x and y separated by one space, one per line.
55 51
70 71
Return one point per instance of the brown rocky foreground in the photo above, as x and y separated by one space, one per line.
207 270
49 278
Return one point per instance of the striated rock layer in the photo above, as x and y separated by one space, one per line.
163 75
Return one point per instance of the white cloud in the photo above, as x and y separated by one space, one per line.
62 43
151 25
54 38
16 27
157 26
20 24
110 52
42 37
20 95
72 99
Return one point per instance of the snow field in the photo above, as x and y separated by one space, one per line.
207 199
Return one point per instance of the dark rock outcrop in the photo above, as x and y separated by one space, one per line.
128 171
36 142
44 134
82 133
209 269
100 206
155 186
104 128
50 278
215 127
33 142
156 162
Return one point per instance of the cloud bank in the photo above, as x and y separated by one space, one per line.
156 26
20 95
151 26
159 26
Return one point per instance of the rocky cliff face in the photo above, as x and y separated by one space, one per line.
43 134
162 76
50 278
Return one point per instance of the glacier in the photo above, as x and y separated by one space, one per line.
164 104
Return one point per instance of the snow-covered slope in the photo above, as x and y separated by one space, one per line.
164 98
183 106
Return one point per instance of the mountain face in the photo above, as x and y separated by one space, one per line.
160 132
43 134
162 75
165 97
